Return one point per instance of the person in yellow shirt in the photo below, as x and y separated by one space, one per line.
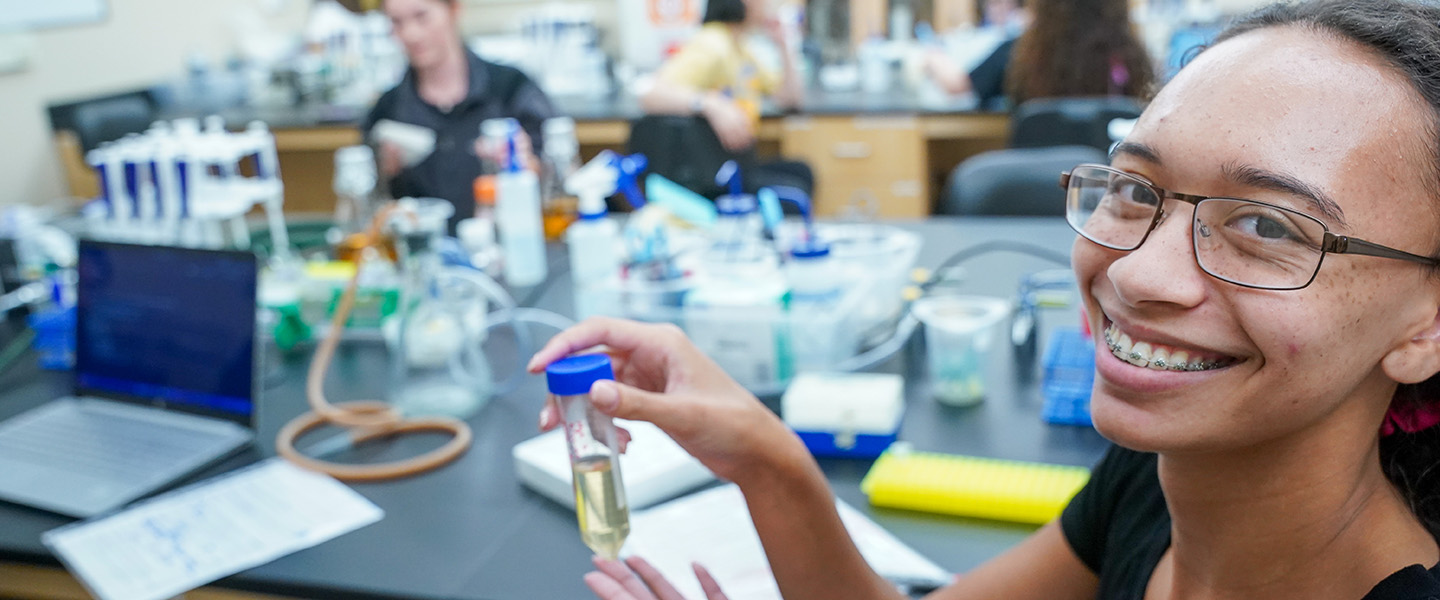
716 77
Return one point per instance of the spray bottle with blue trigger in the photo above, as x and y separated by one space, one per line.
646 242
594 239
739 223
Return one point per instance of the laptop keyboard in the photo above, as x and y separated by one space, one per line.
108 446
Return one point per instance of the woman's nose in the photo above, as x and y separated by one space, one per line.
1163 269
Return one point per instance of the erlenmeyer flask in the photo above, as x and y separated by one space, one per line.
437 365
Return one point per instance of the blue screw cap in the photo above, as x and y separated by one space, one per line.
810 249
573 375
735 205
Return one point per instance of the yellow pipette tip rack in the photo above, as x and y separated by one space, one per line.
985 488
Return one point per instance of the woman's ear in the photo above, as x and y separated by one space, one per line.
1418 358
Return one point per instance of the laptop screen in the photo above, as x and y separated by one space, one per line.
167 326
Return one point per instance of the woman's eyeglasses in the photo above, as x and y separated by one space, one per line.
1244 242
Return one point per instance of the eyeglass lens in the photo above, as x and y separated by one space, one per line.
1241 241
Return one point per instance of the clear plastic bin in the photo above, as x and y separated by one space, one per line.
764 345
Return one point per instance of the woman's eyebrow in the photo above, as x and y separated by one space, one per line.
1256 177
1138 150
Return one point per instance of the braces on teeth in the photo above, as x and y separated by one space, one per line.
1156 363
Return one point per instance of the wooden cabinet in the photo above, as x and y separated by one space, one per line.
868 19
869 164
954 14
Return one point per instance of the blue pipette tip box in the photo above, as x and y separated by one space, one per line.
1069 375
845 415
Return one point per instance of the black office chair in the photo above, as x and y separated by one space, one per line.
684 150
110 119
1014 182
1069 121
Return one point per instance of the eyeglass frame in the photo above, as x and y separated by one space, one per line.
1330 243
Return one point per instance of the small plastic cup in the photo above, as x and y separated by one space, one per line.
958 333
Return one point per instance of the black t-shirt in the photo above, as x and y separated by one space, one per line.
1119 527
988 78
496 91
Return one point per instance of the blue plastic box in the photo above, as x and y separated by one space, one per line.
54 338
845 415
1069 375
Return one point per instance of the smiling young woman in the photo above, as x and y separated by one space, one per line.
1258 266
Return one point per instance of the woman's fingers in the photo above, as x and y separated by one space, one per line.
625 438
708 583
606 588
549 415
619 335
657 582
628 402
623 577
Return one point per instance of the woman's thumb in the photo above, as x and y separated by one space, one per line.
619 400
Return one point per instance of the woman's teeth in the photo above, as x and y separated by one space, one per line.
1142 354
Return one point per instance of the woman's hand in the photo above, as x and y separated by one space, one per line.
730 122
499 155
775 31
945 73
616 581
661 377
391 160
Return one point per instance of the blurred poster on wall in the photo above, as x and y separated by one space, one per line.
651 30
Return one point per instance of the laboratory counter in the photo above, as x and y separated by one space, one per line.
471 530
892 150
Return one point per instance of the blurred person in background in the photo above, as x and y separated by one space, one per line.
715 77
1070 48
450 90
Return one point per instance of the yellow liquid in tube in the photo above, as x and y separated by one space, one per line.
600 506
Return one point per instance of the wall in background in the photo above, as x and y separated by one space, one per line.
141 43
503 16
144 42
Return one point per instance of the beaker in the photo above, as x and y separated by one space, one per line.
438 368
958 334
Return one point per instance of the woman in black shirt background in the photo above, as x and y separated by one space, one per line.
450 90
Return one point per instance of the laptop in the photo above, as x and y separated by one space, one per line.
165 380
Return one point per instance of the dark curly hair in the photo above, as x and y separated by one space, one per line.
1079 48
1406 33
725 11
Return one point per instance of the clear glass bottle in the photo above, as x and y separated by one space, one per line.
437 366
600 505
355 186
562 158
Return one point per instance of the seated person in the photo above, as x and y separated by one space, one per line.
976 59
1070 48
714 76
450 90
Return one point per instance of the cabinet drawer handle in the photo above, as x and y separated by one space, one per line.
850 150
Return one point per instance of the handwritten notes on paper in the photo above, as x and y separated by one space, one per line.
185 539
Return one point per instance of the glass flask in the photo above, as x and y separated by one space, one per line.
438 366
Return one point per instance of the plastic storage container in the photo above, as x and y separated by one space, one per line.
1069 378
873 263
